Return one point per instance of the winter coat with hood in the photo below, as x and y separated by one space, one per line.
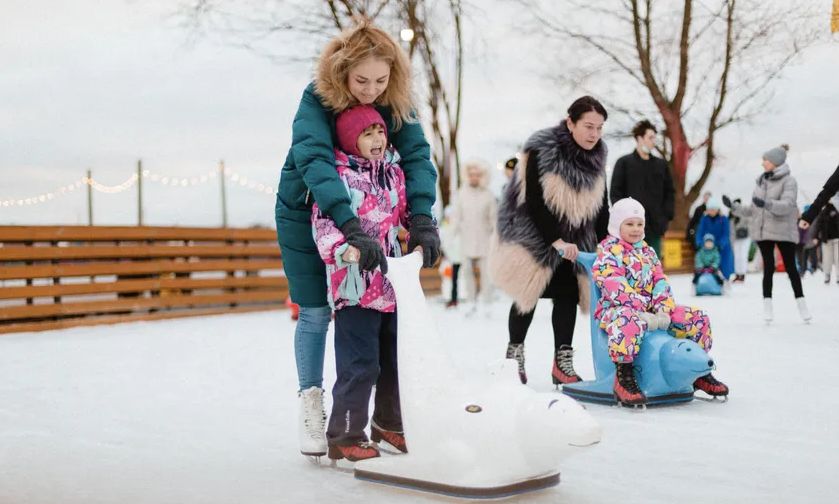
309 175
376 189
557 191
719 227
777 220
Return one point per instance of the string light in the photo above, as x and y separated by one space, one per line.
237 179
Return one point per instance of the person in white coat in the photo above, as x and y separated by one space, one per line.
474 222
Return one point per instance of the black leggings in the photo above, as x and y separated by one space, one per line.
455 273
767 252
563 319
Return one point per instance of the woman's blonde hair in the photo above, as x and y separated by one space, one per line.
349 48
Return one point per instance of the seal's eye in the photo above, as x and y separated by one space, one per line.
474 408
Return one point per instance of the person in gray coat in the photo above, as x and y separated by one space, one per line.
774 223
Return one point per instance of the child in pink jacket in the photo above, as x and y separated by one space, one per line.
363 299
635 297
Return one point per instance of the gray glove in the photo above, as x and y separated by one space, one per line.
663 319
650 319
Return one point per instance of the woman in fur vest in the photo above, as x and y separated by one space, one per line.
554 206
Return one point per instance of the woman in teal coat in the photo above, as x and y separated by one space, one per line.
362 65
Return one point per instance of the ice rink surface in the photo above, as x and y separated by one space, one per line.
203 411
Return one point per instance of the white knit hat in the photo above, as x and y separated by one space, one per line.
622 210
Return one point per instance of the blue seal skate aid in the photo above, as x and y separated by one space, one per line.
482 436
707 285
666 367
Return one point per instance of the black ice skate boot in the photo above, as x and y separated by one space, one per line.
627 391
516 351
563 369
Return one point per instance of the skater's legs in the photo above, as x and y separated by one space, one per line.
830 257
309 345
564 316
357 368
788 256
455 274
387 413
486 283
767 253
691 323
741 255
625 331
471 281
518 324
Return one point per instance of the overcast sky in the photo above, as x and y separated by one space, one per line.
88 84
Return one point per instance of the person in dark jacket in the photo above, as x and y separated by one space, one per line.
555 205
826 232
646 178
831 187
362 65
698 213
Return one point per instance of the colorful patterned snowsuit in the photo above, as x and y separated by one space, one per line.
377 197
631 280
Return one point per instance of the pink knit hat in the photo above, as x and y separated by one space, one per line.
622 210
352 122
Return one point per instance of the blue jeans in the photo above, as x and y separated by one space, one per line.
310 345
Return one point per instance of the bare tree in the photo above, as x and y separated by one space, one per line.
699 67
291 31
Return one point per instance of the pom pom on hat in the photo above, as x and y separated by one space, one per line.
626 208
352 122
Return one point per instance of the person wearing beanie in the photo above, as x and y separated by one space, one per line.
361 65
707 260
635 297
363 299
773 223
646 177
718 225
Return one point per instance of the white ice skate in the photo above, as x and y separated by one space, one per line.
311 422
803 311
767 310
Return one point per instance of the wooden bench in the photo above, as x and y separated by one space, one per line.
63 276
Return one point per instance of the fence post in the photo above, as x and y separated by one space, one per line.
89 198
223 194
139 192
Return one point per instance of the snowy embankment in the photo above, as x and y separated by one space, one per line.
203 411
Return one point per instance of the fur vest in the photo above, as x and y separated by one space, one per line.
522 261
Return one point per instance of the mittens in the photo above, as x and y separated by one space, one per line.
663 319
650 319
423 233
371 253
758 202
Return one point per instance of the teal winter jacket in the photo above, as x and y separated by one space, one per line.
309 175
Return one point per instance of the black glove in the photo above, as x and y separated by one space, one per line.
726 201
424 234
371 253
758 202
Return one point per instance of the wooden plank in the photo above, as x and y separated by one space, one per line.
136 304
114 233
46 325
136 252
133 267
157 284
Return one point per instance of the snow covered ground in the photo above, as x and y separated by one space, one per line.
203 410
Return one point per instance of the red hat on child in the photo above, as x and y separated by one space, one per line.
352 122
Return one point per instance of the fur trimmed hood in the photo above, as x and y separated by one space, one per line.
573 184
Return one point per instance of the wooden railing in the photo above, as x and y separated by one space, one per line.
64 276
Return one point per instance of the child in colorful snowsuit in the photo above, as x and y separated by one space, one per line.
707 260
363 299
635 297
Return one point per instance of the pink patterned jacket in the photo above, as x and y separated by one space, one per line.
631 276
377 197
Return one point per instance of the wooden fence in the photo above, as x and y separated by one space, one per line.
64 276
